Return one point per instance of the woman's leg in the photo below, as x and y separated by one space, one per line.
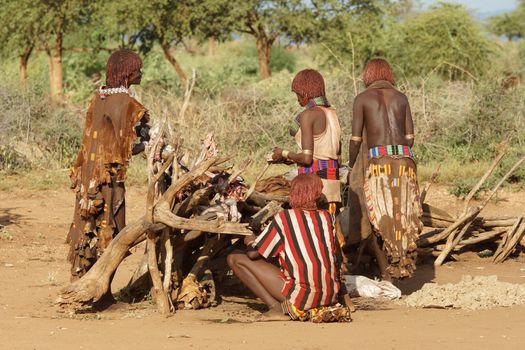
381 258
263 278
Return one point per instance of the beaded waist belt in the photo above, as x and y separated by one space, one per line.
325 169
390 150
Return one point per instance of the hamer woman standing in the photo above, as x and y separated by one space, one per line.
382 114
318 138
114 121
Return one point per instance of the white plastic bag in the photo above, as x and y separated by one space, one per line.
365 287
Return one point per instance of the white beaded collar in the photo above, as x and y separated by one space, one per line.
104 92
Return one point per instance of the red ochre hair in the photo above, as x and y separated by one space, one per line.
120 65
377 69
308 83
305 191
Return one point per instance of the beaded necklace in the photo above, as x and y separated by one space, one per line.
316 101
105 92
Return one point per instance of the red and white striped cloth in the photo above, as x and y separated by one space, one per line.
304 242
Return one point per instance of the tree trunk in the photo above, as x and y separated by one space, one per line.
24 59
57 88
56 75
264 48
212 46
95 283
171 59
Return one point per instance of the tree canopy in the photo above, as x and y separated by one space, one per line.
444 39
511 24
266 21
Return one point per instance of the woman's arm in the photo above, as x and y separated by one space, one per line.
409 126
357 131
252 253
306 157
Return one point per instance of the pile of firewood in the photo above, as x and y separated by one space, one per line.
193 214
446 234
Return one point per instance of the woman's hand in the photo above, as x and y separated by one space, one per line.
249 240
277 155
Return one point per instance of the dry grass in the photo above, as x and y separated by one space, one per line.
458 123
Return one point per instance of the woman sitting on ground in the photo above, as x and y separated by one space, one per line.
303 239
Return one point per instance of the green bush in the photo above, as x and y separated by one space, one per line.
35 133
445 39
462 187
11 161
282 59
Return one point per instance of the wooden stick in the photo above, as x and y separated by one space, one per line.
187 95
204 256
150 199
432 232
507 241
450 246
447 246
512 244
484 178
424 242
164 167
498 223
186 179
438 213
436 223
164 215
259 218
506 238
252 187
496 218
482 238
239 171
160 295
261 199
168 262
433 178
503 179
438 217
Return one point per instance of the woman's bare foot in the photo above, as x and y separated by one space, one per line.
348 303
275 313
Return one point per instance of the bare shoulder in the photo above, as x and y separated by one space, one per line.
309 115
363 95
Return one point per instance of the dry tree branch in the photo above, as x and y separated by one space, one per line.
159 293
432 179
489 171
95 282
471 214
187 95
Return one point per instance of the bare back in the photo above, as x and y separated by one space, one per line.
385 113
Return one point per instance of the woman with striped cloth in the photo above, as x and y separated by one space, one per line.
306 286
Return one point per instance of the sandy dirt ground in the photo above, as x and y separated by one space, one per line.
33 268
